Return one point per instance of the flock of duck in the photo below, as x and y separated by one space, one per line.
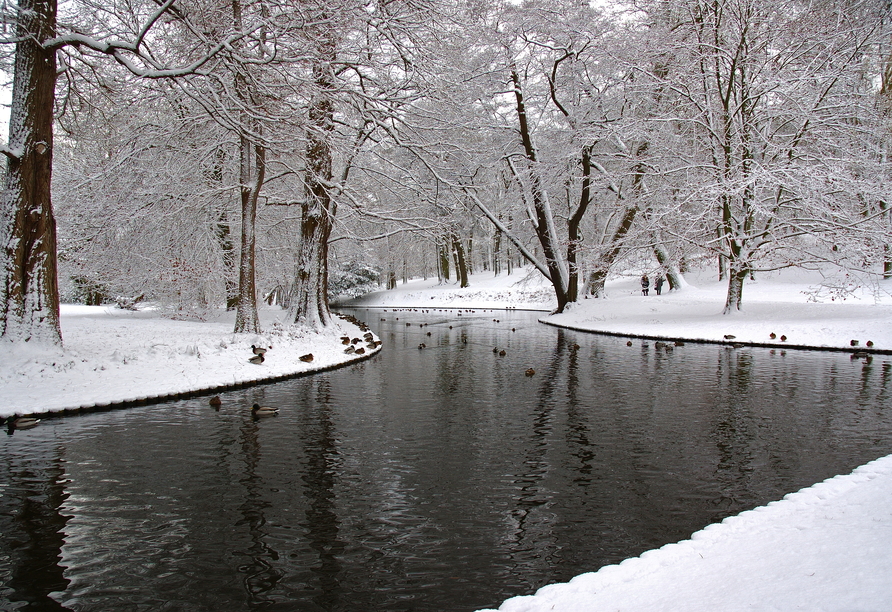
257 411
16 422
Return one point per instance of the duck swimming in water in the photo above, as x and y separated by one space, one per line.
261 411
24 422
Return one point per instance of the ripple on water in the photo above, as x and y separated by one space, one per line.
424 480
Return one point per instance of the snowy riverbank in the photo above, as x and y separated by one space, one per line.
823 548
114 356
779 304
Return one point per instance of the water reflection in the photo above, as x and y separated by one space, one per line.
424 479
260 574
33 528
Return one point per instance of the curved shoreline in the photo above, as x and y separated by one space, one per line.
731 343
198 392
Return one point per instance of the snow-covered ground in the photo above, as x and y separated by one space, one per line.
827 547
778 304
115 356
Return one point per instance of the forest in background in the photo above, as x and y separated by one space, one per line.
207 155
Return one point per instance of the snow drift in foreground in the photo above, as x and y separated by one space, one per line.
826 547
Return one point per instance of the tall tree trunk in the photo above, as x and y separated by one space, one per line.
29 295
573 225
223 233
598 276
252 168
544 219
318 210
252 175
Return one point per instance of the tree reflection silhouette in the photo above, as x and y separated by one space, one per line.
34 530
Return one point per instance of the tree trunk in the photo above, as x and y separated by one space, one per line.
558 273
461 264
573 225
734 299
252 167
497 253
223 233
29 297
246 319
596 280
443 257
317 212
673 275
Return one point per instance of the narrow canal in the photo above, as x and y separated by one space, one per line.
442 478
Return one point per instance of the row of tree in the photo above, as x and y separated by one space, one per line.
397 138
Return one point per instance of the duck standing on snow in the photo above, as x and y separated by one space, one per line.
258 350
257 359
263 411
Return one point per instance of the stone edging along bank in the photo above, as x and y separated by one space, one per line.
854 351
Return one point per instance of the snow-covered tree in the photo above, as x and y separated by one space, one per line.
29 296
768 103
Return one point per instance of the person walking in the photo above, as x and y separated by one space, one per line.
658 284
645 285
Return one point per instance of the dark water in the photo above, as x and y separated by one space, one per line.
435 479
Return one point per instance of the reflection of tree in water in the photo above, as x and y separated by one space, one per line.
323 464
261 576
33 530
534 540
732 431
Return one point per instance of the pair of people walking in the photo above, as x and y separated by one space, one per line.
645 285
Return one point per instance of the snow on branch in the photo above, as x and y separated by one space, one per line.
15 153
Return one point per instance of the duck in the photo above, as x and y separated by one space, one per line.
306 358
23 422
257 359
215 401
258 350
263 411
529 372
